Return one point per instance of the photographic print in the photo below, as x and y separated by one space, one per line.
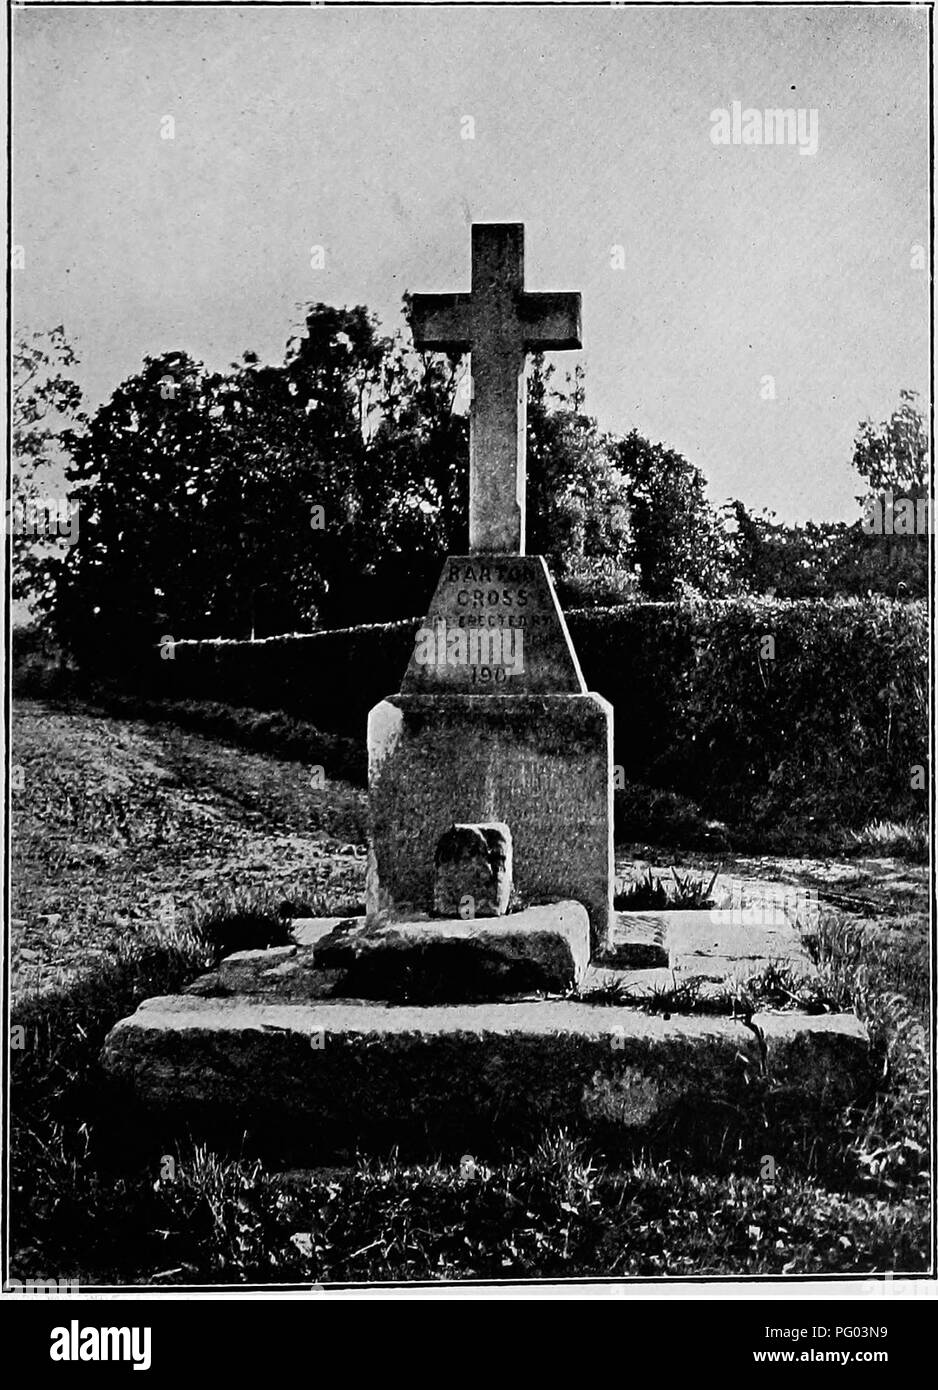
469 525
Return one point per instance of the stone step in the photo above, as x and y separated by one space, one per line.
711 944
365 1073
542 950
637 941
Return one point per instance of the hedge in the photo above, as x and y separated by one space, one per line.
753 707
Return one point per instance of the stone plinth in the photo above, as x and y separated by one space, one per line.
494 628
540 764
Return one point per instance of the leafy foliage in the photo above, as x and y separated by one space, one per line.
652 891
46 418
678 542
314 493
824 559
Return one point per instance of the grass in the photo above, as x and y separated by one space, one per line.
650 892
86 1202
119 825
267 731
553 1213
68 1146
906 839
242 920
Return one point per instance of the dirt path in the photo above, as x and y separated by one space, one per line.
115 820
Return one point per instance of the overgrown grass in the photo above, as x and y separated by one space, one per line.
67 1144
651 892
242 920
907 839
88 1202
552 1213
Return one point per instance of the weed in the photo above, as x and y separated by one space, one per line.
651 892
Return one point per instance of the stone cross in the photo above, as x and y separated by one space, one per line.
499 322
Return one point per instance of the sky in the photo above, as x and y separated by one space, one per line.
763 301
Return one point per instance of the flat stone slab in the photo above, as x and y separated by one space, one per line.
306 931
655 952
543 949
708 944
367 1073
279 972
716 945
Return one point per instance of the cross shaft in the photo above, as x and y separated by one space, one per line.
498 323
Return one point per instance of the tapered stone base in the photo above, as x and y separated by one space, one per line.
540 763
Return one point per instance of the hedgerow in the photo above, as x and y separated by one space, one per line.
760 710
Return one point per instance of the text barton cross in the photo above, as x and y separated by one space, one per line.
499 322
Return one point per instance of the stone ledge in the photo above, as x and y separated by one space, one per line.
377 1075
307 931
542 949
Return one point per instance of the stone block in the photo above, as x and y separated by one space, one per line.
494 628
249 971
473 871
542 949
306 931
424 1077
279 972
637 941
542 765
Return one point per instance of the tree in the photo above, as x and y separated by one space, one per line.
263 499
822 559
677 538
578 513
893 455
892 458
45 415
769 556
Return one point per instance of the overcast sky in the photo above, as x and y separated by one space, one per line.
296 127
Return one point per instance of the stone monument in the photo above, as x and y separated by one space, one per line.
490 991
493 722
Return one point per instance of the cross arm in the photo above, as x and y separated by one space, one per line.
550 321
441 322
